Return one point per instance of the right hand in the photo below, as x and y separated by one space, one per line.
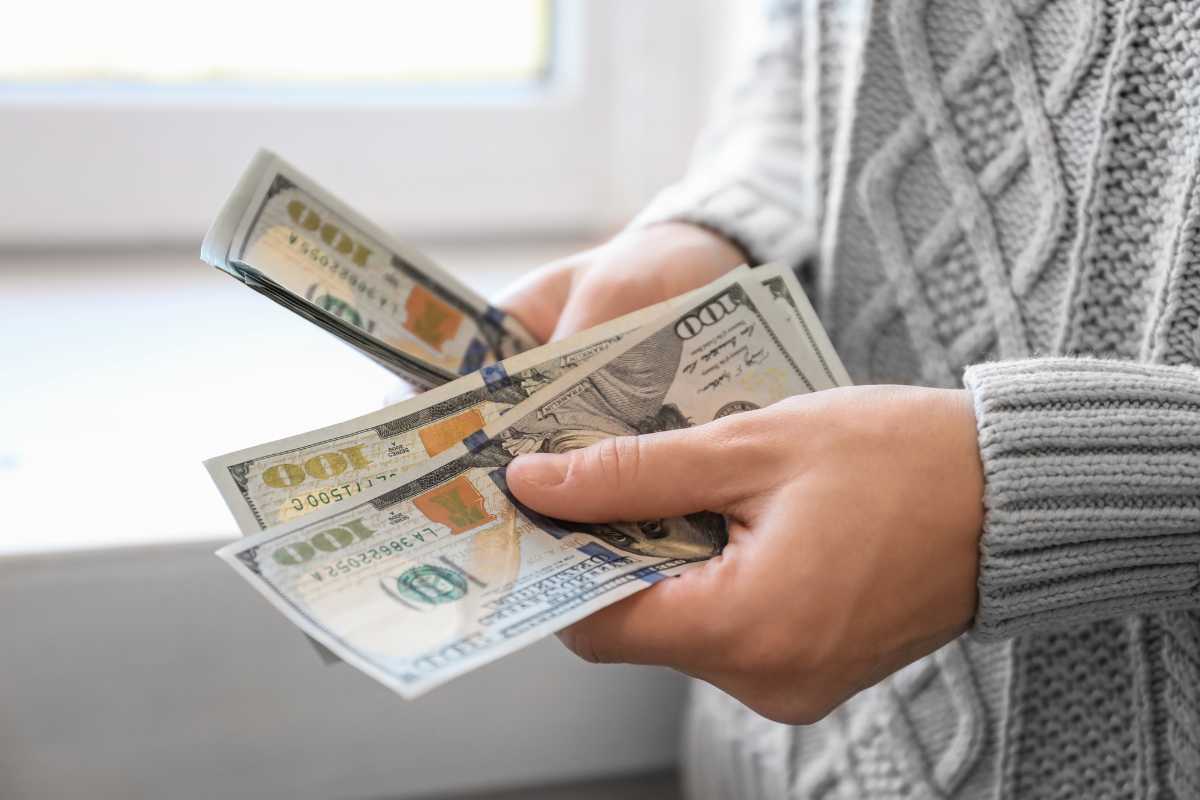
635 269
854 521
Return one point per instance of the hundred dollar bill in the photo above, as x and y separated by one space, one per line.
285 479
781 282
419 581
284 236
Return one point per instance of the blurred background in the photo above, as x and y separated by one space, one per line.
492 135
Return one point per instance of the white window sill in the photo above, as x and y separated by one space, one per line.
128 369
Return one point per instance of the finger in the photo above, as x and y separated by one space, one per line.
537 299
668 624
590 307
632 478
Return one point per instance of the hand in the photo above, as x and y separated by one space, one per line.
854 517
637 268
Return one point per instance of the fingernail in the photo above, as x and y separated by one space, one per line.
543 469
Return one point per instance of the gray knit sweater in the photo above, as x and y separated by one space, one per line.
1004 193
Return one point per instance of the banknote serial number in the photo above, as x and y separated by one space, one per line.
377 553
337 494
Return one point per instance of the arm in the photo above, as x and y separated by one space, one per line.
754 177
750 195
870 525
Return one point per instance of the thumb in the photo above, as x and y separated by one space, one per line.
635 478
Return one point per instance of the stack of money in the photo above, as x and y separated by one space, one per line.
392 539
284 236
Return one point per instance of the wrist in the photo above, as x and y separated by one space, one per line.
966 504
694 238
729 247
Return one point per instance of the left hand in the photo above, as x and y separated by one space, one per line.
854 520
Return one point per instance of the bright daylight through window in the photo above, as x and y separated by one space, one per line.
233 43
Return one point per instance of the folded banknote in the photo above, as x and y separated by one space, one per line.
283 235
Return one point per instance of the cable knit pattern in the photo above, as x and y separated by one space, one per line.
1001 194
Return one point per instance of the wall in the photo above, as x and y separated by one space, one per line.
155 672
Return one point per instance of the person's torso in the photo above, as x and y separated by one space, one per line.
1001 180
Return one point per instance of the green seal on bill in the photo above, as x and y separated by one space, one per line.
431 585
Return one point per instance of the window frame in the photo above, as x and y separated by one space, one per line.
580 154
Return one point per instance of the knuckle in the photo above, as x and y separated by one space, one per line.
752 449
748 433
577 465
731 430
619 460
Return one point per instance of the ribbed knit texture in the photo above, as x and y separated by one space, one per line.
1092 469
1001 194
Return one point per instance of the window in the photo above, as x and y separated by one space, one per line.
234 45
565 125
133 118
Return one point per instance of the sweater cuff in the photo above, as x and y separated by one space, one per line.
765 227
1092 498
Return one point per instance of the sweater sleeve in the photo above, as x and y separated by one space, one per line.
753 176
1092 499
